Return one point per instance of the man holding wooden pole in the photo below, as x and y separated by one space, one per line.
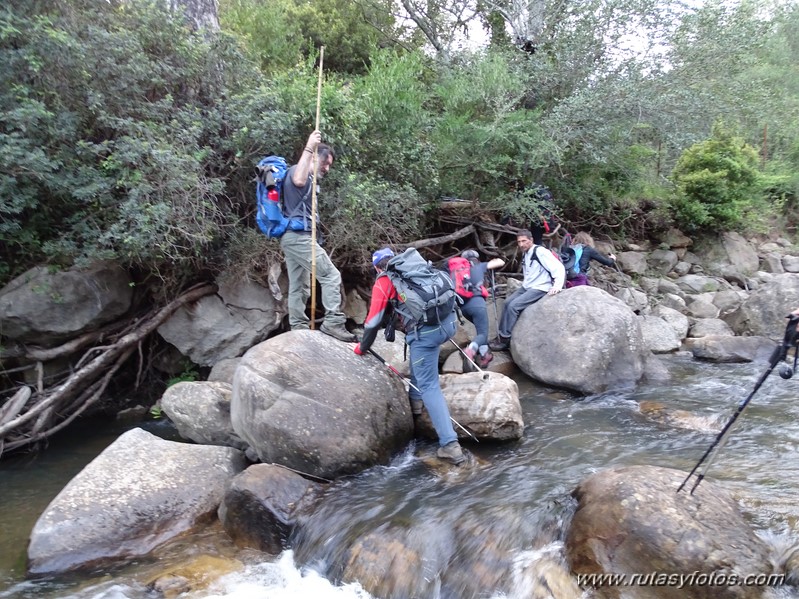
302 251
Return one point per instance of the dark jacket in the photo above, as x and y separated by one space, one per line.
589 254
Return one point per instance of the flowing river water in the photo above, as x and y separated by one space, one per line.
516 496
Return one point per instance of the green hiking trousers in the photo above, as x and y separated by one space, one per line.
296 248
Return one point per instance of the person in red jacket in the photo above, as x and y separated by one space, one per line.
424 343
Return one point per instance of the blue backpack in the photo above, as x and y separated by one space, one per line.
269 175
570 256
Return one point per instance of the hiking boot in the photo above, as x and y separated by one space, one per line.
468 358
452 452
485 360
500 344
339 332
416 407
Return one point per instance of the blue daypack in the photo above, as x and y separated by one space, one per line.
269 175
570 256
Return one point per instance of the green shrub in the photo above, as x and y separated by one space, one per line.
718 183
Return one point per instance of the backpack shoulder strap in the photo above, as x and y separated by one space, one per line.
537 259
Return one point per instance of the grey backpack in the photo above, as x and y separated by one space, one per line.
426 294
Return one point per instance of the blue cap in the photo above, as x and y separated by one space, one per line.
380 254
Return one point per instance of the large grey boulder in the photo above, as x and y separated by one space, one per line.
138 493
701 308
728 300
790 264
675 238
201 412
740 252
677 320
763 312
632 263
728 253
582 339
225 325
306 401
223 371
630 520
49 307
697 284
772 263
706 327
674 302
636 300
487 404
668 286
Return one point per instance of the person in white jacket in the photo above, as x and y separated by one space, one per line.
543 275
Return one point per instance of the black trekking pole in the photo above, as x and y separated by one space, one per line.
779 354
415 388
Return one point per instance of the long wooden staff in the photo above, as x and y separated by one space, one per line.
313 193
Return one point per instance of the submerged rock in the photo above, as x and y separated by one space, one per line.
260 506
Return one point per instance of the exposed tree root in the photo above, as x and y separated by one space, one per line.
31 416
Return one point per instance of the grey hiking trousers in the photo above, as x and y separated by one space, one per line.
514 306
296 248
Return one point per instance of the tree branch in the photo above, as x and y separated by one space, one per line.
423 243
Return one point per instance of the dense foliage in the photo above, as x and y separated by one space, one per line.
126 134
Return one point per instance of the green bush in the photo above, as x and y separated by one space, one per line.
718 183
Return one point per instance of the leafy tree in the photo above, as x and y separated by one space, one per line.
487 144
281 33
270 30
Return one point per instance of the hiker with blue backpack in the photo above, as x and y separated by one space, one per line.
543 275
577 259
297 244
420 301
468 275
